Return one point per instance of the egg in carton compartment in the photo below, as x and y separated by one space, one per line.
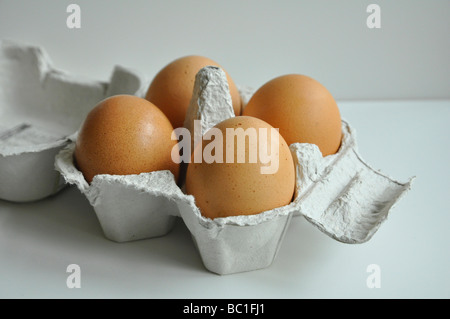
128 207
41 108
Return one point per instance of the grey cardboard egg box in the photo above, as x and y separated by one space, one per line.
340 194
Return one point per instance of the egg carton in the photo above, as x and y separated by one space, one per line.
41 108
340 194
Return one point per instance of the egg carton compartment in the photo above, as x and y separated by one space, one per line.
128 207
40 109
25 134
236 243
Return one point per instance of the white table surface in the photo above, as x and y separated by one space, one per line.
402 138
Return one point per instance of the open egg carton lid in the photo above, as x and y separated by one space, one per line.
41 109
340 194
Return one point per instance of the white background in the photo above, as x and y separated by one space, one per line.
254 40
392 85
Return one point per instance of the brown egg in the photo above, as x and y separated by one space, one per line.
171 89
241 188
124 135
302 108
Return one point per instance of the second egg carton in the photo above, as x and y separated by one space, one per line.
41 109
